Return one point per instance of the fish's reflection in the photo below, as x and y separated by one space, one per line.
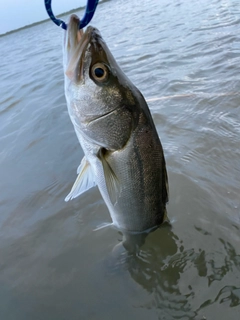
153 262
183 270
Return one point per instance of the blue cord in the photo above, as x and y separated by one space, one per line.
89 12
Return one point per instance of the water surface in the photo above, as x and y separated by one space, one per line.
184 57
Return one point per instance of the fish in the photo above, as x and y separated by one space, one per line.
123 154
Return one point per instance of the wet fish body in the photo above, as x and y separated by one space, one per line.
123 153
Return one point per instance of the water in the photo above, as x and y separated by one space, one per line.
184 57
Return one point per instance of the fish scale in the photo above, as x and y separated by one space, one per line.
123 153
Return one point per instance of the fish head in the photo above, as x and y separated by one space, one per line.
98 93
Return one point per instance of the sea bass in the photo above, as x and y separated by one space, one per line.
123 153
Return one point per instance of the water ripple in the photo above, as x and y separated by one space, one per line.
184 57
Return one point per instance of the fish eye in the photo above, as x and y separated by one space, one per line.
99 72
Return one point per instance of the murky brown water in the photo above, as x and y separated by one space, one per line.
184 56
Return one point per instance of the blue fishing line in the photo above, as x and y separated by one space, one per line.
89 12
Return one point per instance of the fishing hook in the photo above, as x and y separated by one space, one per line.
89 12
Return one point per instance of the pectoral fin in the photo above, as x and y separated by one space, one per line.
112 182
84 181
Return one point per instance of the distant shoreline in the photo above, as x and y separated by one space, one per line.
38 22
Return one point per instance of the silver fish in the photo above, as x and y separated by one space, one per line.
123 153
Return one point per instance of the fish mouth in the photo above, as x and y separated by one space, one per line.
76 36
77 42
